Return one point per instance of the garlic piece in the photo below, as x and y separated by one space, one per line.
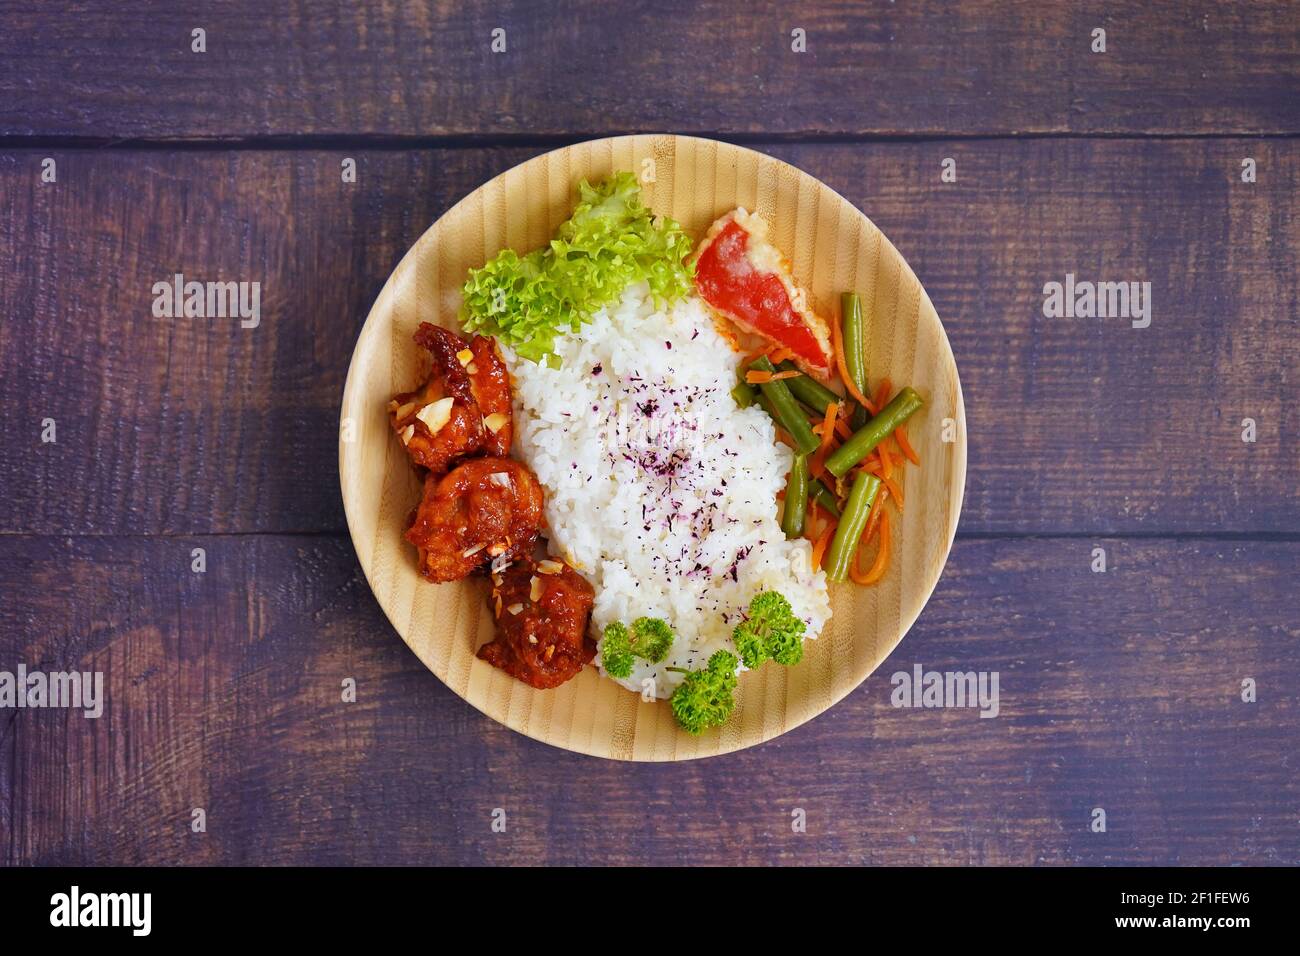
436 414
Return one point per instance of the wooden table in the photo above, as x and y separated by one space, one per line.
1119 690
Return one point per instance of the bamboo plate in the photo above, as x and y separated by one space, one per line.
833 247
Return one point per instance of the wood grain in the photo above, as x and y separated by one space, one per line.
1147 421
832 247
227 688
1119 690
579 69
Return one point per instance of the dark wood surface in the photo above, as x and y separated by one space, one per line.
590 67
1119 690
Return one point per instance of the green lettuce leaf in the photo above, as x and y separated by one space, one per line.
610 242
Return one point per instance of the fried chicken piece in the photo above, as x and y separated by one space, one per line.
462 409
490 382
483 509
542 611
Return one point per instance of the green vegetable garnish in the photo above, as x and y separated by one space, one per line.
650 638
704 699
771 632
616 651
610 242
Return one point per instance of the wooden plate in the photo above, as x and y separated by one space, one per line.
833 247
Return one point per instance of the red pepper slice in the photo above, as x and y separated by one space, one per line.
743 277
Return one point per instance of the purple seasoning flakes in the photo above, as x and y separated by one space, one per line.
597 369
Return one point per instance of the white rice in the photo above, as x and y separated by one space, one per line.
660 490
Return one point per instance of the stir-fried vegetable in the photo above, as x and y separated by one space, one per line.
808 390
852 522
796 498
865 439
786 409
853 337
744 394
823 495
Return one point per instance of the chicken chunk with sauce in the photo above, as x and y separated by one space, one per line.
483 509
462 409
542 612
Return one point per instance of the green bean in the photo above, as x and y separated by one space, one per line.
819 490
854 339
825 497
861 443
796 498
744 394
787 409
852 523
808 390
855 352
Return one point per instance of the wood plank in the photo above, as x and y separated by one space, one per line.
1118 690
1077 425
588 67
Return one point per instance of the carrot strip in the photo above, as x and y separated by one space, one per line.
894 490
828 426
819 549
812 523
784 436
886 463
842 429
779 356
882 393
873 516
900 435
877 570
837 346
757 377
